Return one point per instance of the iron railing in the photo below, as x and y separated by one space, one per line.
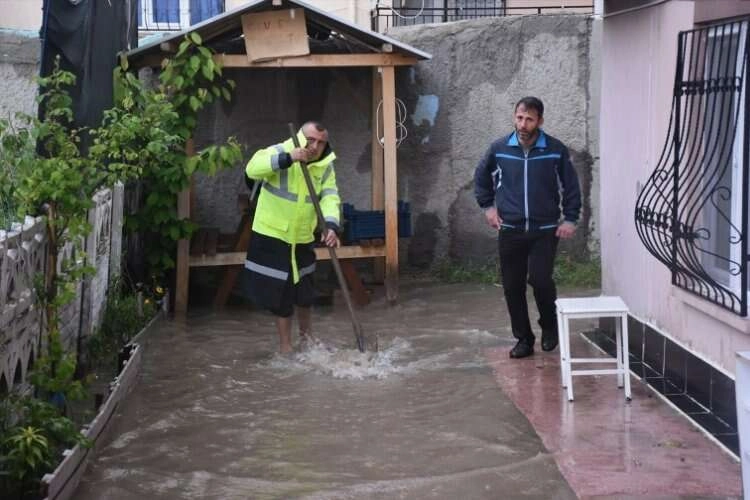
442 11
692 214
175 15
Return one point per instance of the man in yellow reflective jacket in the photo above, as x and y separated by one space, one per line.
280 259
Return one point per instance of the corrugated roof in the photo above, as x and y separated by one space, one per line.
230 21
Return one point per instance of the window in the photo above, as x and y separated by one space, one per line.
169 15
692 214
724 148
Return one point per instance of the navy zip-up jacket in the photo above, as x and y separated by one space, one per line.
528 189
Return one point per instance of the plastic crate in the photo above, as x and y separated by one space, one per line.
370 224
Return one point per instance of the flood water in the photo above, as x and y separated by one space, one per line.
217 414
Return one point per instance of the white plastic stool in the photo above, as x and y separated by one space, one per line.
593 307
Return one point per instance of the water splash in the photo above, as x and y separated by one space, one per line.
345 363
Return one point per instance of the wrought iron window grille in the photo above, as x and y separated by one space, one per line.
692 213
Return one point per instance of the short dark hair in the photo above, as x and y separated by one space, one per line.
318 126
530 103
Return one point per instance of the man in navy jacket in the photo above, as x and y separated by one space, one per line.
529 191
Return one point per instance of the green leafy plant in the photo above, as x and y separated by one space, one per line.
54 374
16 146
125 314
28 452
32 434
52 176
189 81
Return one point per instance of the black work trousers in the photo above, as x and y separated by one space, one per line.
529 255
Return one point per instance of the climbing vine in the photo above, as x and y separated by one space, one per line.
188 82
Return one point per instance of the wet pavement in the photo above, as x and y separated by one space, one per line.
439 412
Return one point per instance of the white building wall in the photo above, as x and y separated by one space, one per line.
21 14
638 65
357 11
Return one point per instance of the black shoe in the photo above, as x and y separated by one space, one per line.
549 341
522 350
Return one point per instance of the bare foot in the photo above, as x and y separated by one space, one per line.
285 348
306 336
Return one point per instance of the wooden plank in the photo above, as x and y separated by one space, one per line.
198 242
390 183
317 61
378 199
232 272
275 33
212 239
358 292
321 253
182 281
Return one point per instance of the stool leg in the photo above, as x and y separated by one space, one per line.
563 357
618 341
626 355
568 368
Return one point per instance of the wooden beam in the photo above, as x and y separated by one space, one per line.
321 253
182 281
231 273
317 61
390 183
378 199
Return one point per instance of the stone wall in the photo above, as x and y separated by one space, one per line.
455 105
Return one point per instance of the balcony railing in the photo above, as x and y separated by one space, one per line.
384 17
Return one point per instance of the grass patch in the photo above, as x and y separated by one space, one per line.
567 273
576 274
454 272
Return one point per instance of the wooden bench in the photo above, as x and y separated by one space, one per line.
205 250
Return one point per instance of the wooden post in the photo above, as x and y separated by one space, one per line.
377 164
182 281
390 183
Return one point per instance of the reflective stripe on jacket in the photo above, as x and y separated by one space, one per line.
285 210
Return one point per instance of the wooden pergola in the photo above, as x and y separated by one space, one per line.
366 49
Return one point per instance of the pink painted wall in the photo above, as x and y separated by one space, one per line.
638 64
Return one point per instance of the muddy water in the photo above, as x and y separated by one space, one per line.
217 414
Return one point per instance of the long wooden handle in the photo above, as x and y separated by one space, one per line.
331 250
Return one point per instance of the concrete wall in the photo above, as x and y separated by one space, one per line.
463 99
638 66
19 66
455 106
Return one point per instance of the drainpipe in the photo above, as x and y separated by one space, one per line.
43 35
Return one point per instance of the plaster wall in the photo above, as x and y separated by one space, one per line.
638 66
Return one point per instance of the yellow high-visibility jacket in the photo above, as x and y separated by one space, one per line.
285 210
